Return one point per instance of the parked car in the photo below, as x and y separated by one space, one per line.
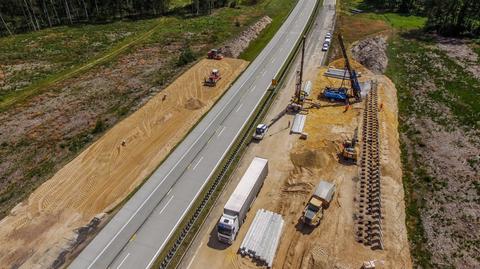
328 35
325 46
260 131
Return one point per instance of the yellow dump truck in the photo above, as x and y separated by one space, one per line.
321 198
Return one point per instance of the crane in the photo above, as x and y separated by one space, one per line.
353 74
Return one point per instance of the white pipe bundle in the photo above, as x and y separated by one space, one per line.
338 73
263 237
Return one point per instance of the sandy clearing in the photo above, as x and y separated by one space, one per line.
40 228
295 167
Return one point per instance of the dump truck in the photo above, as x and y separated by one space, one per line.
237 206
320 200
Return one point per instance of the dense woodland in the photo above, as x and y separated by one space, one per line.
31 15
447 17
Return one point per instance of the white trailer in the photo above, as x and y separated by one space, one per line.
239 203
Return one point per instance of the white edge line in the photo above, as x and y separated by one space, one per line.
124 259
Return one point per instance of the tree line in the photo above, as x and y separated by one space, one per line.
33 15
448 17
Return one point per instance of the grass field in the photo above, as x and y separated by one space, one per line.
34 61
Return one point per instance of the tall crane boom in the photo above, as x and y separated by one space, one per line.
353 75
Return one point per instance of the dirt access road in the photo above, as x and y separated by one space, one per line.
39 229
295 168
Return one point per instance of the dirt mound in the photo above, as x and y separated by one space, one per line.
240 43
309 158
371 52
194 104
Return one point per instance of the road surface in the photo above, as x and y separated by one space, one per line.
138 232
205 251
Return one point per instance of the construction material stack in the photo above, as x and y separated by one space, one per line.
262 239
239 203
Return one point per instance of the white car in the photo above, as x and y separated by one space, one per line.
325 46
328 39
260 131
328 35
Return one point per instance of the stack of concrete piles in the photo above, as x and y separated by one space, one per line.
262 238
338 73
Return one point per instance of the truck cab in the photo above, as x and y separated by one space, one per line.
260 131
321 198
227 229
313 212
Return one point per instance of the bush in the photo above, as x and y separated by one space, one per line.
99 127
186 57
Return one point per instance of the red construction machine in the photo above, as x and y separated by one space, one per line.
215 54
213 78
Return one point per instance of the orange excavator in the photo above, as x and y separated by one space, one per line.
350 148
213 78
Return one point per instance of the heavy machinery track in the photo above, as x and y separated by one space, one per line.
368 217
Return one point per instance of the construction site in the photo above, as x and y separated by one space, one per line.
61 214
350 149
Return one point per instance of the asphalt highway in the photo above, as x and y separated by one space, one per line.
139 231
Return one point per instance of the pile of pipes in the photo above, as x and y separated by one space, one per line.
262 238
338 73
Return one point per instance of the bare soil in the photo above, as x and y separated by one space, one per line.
443 158
60 213
42 134
461 52
295 168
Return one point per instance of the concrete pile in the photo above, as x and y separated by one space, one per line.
338 73
263 237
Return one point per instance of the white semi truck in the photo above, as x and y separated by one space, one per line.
239 203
